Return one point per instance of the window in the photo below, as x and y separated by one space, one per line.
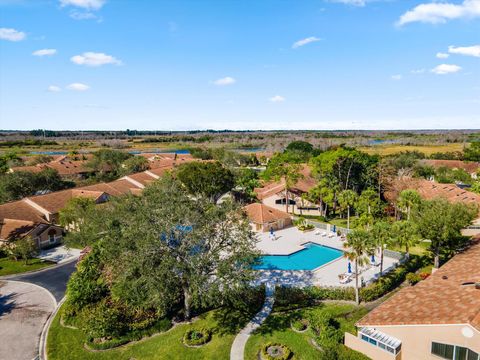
442 350
453 352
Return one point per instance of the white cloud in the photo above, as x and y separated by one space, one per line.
441 55
79 15
465 50
11 34
94 59
444 69
44 52
397 77
440 12
351 2
305 41
85 4
277 99
225 81
54 88
78 87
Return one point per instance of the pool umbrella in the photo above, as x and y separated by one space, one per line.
271 231
373 259
349 268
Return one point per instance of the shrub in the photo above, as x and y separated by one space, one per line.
198 337
103 320
159 326
413 278
275 351
292 298
300 325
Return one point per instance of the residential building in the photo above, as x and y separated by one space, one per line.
438 318
273 194
265 218
471 167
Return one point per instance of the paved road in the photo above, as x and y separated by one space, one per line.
53 279
24 308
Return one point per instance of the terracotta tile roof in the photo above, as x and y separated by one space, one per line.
63 167
11 228
262 214
160 171
56 201
469 166
20 210
429 190
114 188
440 299
303 185
142 177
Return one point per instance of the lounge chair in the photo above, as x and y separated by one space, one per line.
345 278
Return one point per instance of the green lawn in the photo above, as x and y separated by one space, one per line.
277 329
420 249
65 343
9 266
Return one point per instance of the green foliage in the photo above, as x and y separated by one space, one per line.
24 248
277 351
107 163
445 175
405 159
103 320
440 222
302 224
302 146
452 155
246 180
413 278
472 153
17 185
40 159
197 337
300 324
405 234
135 164
209 179
288 298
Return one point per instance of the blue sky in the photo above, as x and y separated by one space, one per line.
250 64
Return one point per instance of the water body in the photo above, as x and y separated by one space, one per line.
310 258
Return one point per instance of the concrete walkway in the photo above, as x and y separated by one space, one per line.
237 351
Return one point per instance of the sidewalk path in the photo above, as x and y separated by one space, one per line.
238 347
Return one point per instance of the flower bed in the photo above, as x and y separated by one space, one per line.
275 351
194 337
300 325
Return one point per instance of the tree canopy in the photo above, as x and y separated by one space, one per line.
208 179
164 249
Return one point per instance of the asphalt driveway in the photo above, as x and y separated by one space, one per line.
24 309
53 279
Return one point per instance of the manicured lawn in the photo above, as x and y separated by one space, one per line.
65 343
9 266
277 329
420 249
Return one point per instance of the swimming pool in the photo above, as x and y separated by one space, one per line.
312 257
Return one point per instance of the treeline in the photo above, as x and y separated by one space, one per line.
27 142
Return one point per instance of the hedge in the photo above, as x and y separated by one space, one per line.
288 298
197 341
160 326
286 352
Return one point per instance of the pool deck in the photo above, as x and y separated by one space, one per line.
290 240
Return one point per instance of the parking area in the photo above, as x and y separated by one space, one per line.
24 309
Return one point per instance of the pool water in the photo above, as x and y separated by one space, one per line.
312 257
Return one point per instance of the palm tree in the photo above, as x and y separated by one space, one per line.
405 235
358 245
407 200
382 235
347 199
289 173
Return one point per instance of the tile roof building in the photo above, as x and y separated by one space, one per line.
273 194
439 314
470 167
264 218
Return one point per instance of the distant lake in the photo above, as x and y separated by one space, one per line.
381 142
135 152
252 150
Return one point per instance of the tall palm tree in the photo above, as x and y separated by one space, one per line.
381 235
407 200
405 235
347 199
358 245
289 173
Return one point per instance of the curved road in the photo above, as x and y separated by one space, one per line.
26 302
53 279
